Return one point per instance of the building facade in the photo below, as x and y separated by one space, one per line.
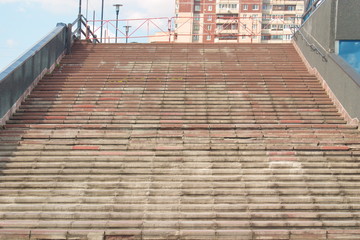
240 21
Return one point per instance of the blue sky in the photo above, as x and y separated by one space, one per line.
24 22
350 51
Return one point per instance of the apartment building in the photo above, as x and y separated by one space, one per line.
255 21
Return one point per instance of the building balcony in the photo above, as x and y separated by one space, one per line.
227 11
227 31
227 20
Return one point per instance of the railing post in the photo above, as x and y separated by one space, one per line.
69 39
87 33
79 26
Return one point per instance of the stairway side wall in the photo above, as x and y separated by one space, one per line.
320 30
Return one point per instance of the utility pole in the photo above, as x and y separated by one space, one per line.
117 6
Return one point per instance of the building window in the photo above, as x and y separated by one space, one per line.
277 27
197 17
227 37
210 8
277 37
209 27
197 8
290 7
277 17
196 38
196 27
287 37
208 37
245 7
255 7
209 18
228 6
278 8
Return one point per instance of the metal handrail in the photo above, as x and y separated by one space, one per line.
312 46
82 21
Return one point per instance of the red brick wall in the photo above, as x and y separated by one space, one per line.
185 6
209 12
250 4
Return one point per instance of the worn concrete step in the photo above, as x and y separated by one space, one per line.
188 141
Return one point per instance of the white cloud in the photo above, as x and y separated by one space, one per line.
10 43
21 10
140 8
132 8
353 60
56 6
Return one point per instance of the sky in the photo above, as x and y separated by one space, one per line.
25 22
350 51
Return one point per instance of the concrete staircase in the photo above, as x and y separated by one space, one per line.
185 141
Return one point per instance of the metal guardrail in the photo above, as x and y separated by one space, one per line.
88 34
166 29
17 79
21 74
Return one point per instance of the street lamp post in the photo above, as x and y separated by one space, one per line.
117 6
79 7
102 20
127 27
79 20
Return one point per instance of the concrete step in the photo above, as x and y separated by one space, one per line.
179 141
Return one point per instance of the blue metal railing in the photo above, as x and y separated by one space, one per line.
310 7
